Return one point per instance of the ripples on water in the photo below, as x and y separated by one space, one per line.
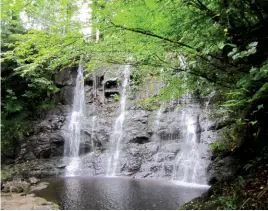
117 193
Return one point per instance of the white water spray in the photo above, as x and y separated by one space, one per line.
161 109
74 134
189 167
158 117
93 133
116 137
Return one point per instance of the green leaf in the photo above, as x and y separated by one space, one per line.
253 122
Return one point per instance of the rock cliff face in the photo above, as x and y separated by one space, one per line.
151 139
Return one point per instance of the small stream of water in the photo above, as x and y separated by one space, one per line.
93 133
117 134
190 167
73 136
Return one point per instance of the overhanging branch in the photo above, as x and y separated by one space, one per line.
148 33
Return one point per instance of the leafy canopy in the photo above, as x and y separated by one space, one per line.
201 45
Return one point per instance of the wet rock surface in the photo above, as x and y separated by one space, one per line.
147 149
221 169
39 168
47 139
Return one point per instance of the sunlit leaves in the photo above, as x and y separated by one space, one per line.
251 49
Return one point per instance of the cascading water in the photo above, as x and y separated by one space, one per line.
187 165
160 110
156 137
118 128
182 62
158 117
93 133
190 167
208 101
74 133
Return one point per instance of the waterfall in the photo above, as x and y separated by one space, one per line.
182 62
156 136
190 167
76 122
93 133
97 35
158 116
160 110
118 127
208 101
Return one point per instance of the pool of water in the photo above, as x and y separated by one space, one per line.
87 193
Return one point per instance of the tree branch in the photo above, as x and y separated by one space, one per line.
204 76
148 33
141 31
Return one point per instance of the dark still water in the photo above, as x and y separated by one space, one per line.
85 193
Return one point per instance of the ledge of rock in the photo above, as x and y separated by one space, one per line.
17 201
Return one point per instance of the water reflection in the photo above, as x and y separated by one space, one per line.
117 193
71 192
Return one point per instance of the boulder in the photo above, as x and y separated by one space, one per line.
16 186
65 96
132 166
33 180
220 123
89 96
66 77
221 169
47 139
135 125
101 137
168 168
38 168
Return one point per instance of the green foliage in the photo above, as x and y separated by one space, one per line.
11 105
254 163
251 49
5 175
227 140
233 200
219 146
253 122
250 89
13 133
241 182
34 51
184 24
128 35
148 104
229 202
199 45
27 70
115 97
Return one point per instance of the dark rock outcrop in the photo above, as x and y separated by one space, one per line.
66 77
38 168
47 140
65 96
140 140
221 169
